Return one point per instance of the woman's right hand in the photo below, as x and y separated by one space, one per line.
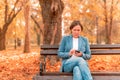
72 51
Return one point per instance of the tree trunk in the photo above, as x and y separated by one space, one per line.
27 36
2 40
111 22
106 22
98 39
52 18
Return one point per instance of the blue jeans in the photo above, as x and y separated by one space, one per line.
79 67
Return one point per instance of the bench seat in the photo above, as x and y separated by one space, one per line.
68 76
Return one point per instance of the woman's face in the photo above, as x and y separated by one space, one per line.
76 31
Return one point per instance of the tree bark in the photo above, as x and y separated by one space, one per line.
27 28
108 22
111 22
98 35
2 40
52 18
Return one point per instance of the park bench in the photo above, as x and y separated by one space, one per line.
106 49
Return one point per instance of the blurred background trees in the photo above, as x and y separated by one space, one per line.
46 21
8 13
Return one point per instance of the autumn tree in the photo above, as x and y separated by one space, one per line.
52 18
102 13
27 26
108 18
9 15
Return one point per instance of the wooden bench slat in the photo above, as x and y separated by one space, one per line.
105 52
56 73
96 46
106 46
94 52
70 74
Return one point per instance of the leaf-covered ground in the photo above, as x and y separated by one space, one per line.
16 65
105 63
96 63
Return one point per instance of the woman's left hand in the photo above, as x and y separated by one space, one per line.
78 54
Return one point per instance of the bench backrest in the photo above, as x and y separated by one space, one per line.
107 49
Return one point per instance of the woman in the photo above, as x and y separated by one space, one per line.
74 51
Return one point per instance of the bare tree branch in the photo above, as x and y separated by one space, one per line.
13 10
35 21
6 11
5 26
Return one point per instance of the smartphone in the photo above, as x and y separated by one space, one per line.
76 51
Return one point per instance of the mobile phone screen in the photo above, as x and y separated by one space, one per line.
77 51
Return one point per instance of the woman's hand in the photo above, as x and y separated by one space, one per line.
72 51
79 54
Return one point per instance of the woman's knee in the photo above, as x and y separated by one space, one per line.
76 68
81 61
